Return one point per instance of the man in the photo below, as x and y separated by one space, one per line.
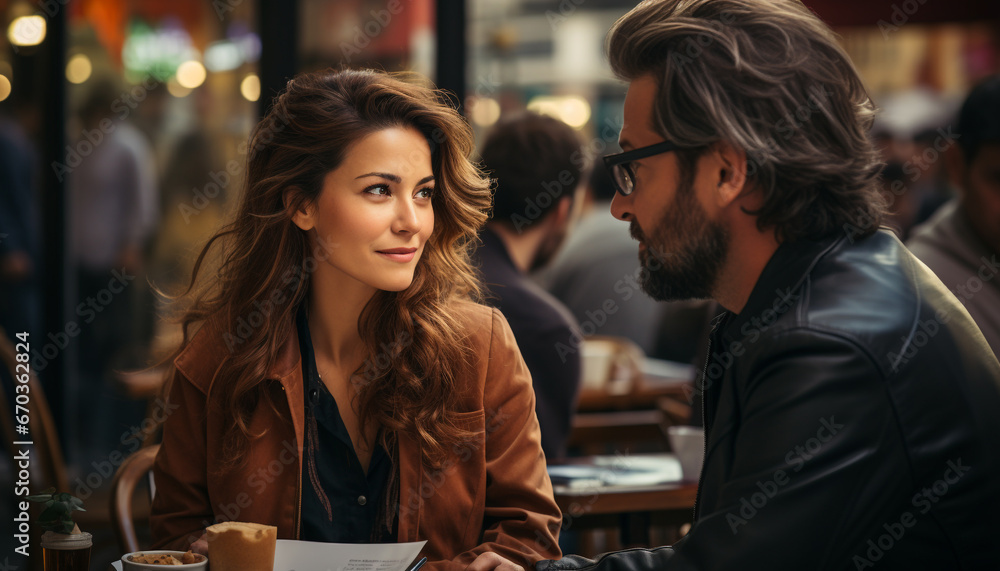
850 402
537 162
961 243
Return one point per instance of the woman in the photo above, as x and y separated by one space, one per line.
340 385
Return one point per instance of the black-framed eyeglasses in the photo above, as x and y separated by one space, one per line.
621 170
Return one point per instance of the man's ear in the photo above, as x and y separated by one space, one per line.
731 172
563 212
299 209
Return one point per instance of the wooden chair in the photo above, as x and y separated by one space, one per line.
130 473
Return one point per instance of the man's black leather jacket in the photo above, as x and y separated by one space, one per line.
852 412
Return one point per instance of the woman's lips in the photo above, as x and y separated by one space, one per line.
401 255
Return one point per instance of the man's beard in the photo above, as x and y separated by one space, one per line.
689 269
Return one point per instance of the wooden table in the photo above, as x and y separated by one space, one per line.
579 502
630 509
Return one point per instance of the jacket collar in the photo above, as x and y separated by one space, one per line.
494 248
778 283
213 345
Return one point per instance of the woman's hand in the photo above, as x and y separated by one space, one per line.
200 546
490 561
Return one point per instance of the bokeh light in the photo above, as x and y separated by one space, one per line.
250 87
27 31
191 74
78 69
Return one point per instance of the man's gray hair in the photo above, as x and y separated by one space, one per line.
770 78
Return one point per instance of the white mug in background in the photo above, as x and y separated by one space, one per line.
688 443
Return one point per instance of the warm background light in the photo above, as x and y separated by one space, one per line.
78 69
191 74
176 89
4 87
484 111
250 87
27 31
571 109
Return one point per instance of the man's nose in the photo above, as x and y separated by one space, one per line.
621 207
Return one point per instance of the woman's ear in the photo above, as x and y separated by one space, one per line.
299 209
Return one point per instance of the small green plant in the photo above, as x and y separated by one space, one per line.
58 513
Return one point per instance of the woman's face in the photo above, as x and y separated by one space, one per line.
373 216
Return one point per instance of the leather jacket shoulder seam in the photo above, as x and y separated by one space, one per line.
836 333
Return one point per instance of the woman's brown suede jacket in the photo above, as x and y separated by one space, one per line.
492 494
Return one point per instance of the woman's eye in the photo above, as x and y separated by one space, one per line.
425 192
378 190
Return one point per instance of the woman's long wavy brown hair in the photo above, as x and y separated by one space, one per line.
306 134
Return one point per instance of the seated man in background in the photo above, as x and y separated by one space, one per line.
850 401
537 162
961 242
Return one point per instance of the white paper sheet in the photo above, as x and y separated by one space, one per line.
292 555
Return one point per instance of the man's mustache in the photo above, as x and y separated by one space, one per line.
636 232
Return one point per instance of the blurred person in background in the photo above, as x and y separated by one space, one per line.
195 189
961 242
112 210
901 200
338 337
20 247
931 187
538 167
850 401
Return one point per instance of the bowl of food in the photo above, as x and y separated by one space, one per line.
155 559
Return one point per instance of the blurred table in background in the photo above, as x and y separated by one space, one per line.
634 500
